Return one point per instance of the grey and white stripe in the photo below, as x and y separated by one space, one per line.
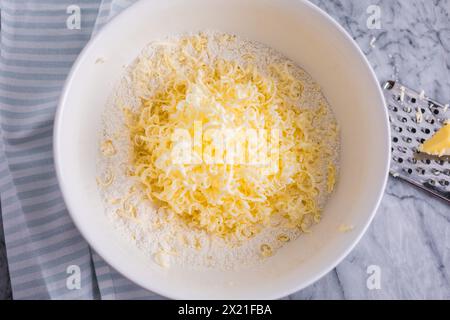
37 51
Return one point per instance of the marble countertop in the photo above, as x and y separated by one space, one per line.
409 239
405 253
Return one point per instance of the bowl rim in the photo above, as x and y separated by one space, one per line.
168 293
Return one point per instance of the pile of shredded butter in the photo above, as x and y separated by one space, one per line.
184 82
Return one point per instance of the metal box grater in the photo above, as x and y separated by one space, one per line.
415 118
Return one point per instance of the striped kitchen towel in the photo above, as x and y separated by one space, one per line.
39 41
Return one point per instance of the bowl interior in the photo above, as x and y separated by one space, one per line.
295 28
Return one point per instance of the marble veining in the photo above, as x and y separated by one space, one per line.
409 239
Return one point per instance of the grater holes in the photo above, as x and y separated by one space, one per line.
444 183
402 149
413 120
420 170
412 129
436 172
407 139
430 120
407 109
398 159
389 85
393 108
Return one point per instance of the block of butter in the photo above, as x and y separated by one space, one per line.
439 143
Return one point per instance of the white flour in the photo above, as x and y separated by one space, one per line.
174 243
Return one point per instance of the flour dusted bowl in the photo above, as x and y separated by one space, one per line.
304 34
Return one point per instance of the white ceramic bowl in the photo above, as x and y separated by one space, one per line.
306 35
